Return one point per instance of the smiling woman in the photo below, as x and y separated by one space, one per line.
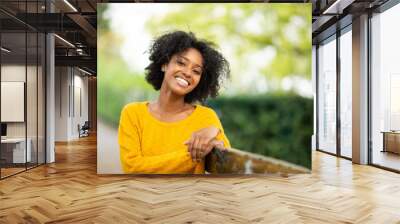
175 133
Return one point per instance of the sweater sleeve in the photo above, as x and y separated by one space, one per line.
214 120
131 156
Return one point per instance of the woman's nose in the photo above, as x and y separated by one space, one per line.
186 72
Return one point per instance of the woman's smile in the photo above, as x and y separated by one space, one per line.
182 82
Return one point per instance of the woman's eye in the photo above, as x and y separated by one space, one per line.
197 72
180 63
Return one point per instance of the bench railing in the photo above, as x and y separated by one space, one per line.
236 161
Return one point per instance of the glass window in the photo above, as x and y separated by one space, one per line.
22 93
14 148
327 96
314 74
31 100
345 94
385 87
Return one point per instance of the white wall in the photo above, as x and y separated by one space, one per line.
62 80
12 73
71 93
34 124
80 100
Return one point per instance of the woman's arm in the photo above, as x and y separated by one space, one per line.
170 163
131 156
205 139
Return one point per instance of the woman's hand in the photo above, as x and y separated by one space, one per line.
201 153
202 142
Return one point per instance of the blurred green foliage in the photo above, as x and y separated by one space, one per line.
274 125
285 28
117 85
103 24
112 96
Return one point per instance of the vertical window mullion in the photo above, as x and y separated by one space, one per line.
26 86
369 90
37 90
338 73
317 95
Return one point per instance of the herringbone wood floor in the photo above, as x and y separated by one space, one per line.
70 191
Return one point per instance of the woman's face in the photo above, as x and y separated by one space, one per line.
183 72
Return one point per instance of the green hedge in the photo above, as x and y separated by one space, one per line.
278 126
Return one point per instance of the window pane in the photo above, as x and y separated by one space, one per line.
41 98
327 96
31 97
386 89
14 150
345 94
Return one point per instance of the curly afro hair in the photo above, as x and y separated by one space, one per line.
215 66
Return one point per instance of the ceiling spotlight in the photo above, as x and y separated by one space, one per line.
5 50
71 6
64 40
337 7
84 71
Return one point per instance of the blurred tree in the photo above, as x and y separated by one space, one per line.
280 30
117 84
102 21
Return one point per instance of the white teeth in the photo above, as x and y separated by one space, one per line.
182 82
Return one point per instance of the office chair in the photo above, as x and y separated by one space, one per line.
84 130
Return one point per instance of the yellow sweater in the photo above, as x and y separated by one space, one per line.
151 146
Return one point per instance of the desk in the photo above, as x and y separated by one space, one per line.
391 141
17 150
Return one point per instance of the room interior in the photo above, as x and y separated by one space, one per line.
48 171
